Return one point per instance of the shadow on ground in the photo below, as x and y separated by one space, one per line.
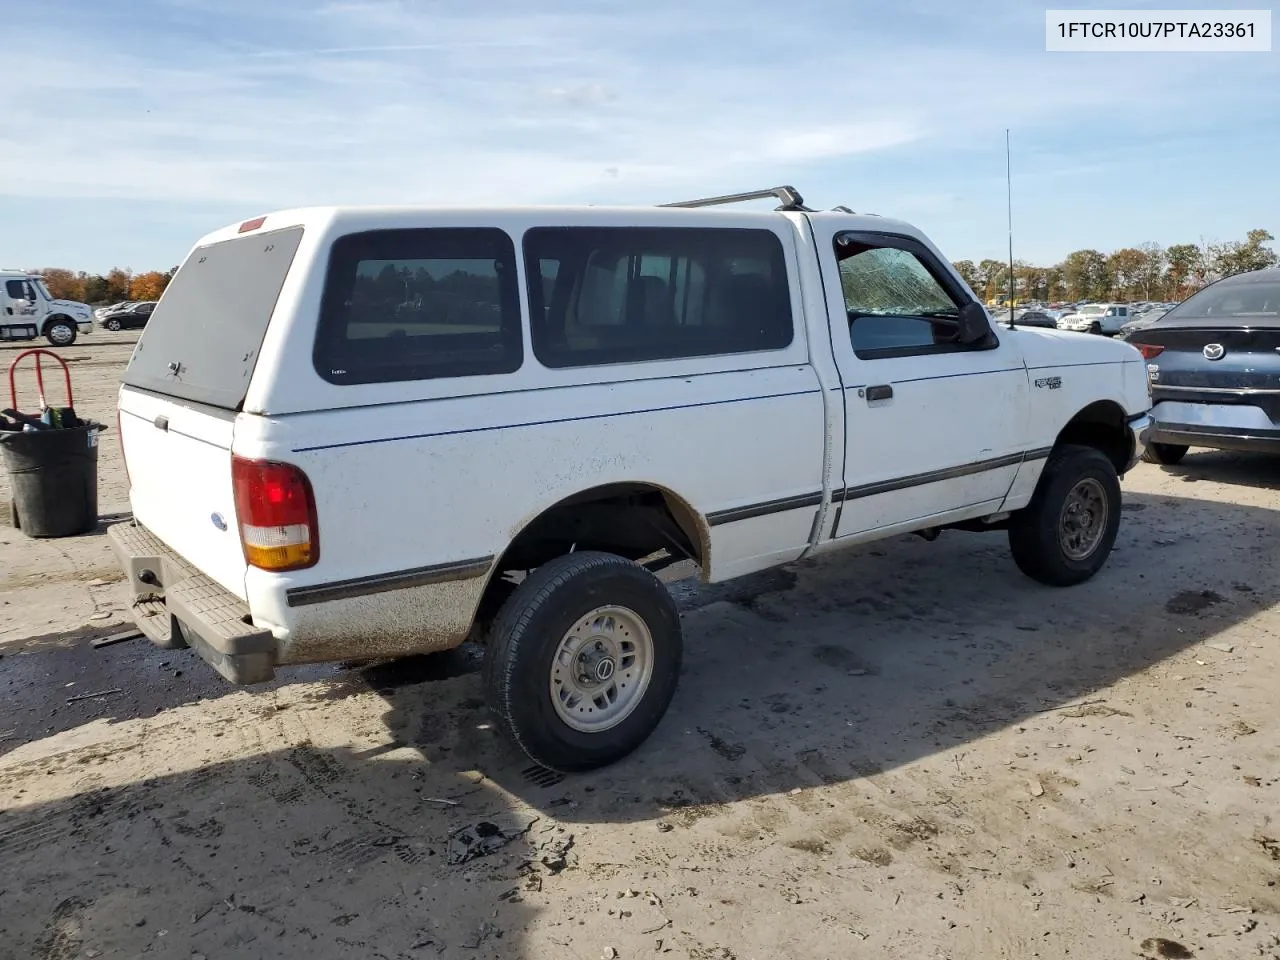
294 853
1240 469
857 663
826 672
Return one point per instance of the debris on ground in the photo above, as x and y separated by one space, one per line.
486 836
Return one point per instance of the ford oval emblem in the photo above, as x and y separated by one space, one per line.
218 521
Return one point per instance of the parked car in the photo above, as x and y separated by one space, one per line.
130 317
1035 318
112 308
28 310
320 424
1104 318
1141 321
1214 365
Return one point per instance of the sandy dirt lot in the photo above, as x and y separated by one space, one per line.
909 751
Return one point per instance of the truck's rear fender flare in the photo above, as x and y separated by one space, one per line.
632 519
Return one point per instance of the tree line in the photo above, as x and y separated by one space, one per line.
118 284
1145 272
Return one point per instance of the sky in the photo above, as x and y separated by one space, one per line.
128 135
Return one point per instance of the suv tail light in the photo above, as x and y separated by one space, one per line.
277 513
1149 351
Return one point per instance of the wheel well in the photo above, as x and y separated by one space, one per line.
49 321
1100 425
634 520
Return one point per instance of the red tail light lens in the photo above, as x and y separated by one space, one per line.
277 513
1149 351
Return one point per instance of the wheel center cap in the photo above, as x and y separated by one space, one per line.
604 668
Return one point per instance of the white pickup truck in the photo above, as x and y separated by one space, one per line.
1104 318
365 433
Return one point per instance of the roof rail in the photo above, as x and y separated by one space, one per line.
790 197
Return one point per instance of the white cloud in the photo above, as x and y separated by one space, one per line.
409 102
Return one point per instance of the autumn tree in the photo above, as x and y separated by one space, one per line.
1184 260
968 273
118 284
1150 274
148 286
1125 269
95 289
988 274
1085 273
63 284
1234 257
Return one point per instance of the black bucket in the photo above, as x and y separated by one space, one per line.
54 478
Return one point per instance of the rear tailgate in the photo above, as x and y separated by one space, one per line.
183 390
179 461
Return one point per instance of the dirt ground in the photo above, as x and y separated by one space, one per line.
908 751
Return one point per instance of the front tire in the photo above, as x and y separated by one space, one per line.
112 325
1065 534
1166 454
583 660
1095 328
60 333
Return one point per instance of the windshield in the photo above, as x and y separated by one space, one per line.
1239 301
1092 309
44 291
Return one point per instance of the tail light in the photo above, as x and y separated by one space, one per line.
1149 351
277 513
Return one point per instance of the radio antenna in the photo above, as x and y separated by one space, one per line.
1008 175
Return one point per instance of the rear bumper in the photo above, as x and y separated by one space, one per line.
176 606
1222 426
1218 440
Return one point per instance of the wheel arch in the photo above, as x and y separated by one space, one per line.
633 519
1102 425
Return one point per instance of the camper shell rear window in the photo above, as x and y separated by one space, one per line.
204 336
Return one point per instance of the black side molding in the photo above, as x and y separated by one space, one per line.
753 510
933 476
385 582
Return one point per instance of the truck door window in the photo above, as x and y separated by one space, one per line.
19 290
897 304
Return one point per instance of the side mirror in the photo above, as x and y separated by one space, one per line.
973 324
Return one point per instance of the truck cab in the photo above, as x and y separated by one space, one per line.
28 310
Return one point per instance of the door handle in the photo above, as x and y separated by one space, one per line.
882 392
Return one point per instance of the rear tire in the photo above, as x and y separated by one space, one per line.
1065 534
565 647
1167 454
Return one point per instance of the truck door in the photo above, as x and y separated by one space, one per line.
933 428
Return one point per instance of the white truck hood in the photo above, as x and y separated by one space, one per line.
72 307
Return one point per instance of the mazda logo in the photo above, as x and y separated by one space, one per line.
1214 351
